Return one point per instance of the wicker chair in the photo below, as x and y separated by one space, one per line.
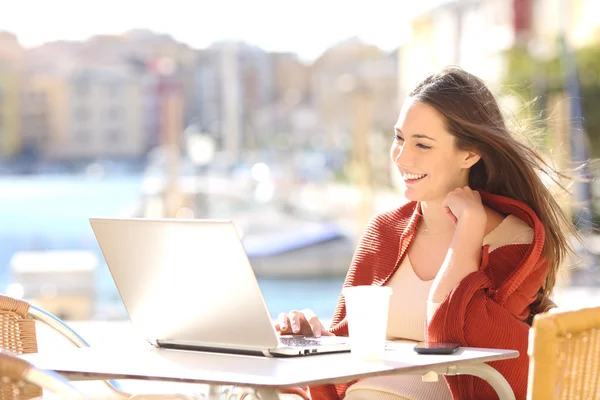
21 380
564 351
18 336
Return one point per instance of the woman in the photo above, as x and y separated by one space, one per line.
479 242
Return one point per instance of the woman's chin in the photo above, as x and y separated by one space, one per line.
411 195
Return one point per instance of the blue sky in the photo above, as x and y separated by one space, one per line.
307 27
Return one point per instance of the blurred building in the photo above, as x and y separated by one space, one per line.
11 59
44 114
233 86
208 92
290 122
44 97
354 92
164 69
83 114
104 115
292 79
184 58
118 96
258 82
348 68
168 68
102 98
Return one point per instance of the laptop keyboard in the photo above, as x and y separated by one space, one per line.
299 342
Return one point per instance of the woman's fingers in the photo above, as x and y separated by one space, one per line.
313 321
296 318
303 322
283 322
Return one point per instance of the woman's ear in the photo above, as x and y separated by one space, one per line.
470 159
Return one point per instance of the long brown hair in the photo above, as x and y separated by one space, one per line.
507 167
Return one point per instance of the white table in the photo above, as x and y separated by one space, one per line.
267 376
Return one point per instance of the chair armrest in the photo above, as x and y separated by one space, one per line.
57 325
18 370
66 331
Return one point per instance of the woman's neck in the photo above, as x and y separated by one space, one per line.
434 219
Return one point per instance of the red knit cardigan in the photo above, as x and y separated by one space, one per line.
486 309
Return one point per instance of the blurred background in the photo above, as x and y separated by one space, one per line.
277 115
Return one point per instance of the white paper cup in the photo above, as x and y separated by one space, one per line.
367 310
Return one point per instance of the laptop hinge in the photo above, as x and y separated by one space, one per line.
211 349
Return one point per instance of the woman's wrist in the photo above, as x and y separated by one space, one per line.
463 256
475 218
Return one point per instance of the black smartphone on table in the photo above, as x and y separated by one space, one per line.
436 348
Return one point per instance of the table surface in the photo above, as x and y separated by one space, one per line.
148 363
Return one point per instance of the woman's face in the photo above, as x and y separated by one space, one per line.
425 154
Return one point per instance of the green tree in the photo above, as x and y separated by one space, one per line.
535 80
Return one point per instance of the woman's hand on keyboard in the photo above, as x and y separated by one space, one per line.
303 322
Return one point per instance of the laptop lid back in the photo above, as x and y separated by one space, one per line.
186 282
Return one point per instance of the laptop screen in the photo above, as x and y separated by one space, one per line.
186 281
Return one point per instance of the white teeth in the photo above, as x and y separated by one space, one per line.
414 176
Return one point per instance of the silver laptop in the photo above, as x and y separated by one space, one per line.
188 284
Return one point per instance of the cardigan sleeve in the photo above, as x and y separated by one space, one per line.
473 316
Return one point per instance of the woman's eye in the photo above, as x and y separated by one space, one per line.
423 146
399 138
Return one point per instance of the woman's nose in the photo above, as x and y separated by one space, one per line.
403 158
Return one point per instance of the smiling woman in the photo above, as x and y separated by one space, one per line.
474 250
